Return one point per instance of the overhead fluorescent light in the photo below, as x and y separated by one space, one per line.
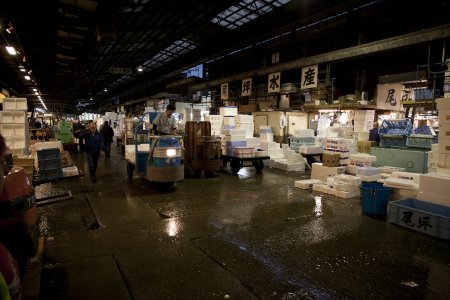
23 70
11 50
27 77
105 90
140 69
36 93
34 89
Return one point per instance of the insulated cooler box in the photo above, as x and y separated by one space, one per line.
415 161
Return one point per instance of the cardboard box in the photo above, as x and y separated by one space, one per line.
330 159
247 108
365 146
443 103
322 172
444 116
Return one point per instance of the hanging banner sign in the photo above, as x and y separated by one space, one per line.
274 83
246 87
224 91
309 77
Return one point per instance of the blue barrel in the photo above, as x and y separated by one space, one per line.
375 198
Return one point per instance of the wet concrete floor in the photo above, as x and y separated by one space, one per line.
251 236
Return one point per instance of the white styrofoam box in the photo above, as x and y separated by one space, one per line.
275 153
363 157
15 104
328 190
70 171
234 132
259 153
394 182
295 167
228 120
348 194
429 196
330 181
228 110
347 179
304 133
47 145
443 103
415 177
399 193
265 129
370 178
362 135
214 118
436 183
359 113
444 139
6 117
443 160
310 149
350 134
390 170
253 141
244 118
306 183
435 148
444 116
269 145
350 169
322 172
367 171
443 171
233 138
346 187
266 137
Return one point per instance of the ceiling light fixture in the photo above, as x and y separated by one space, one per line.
11 50
23 70
36 93
92 99
34 89
140 69
27 77
105 90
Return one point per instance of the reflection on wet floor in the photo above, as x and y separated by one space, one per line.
250 235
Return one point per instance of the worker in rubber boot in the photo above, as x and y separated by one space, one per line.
92 145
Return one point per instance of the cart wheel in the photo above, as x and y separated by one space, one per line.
130 171
259 165
235 166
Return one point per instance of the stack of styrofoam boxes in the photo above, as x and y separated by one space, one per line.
346 186
192 115
433 188
27 163
255 142
14 125
292 161
368 174
344 147
363 119
386 172
404 184
321 172
315 148
363 160
443 106
245 122
447 80
273 148
216 123
433 159
235 139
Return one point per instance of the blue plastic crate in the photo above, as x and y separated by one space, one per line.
428 218
49 164
421 141
302 141
392 140
50 174
396 127
51 153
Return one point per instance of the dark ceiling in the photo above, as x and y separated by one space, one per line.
71 45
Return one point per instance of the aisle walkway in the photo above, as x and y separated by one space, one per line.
251 236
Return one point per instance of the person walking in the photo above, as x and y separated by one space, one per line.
373 133
107 133
92 144
165 123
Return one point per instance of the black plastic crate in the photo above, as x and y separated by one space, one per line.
51 153
50 174
49 164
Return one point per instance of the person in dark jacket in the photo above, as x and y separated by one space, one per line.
107 133
373 133
92 144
